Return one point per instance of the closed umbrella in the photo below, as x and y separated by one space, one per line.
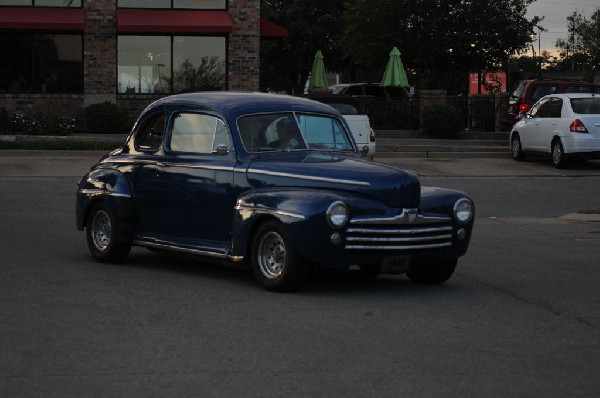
318 76
395 75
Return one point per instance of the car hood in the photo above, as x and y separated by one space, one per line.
393 186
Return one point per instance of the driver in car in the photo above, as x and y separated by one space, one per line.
289 135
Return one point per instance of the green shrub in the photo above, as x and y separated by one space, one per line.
59 125
442 120
20 123
105 117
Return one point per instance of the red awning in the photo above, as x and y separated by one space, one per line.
176 21
270 30
42 18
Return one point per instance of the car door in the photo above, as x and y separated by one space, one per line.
530 130
550 122
142 169
196 179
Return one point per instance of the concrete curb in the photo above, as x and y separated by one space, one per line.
579 217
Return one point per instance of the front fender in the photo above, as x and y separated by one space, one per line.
302 212
104 184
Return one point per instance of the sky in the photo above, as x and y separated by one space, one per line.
555 21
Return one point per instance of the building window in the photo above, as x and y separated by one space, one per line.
171 64
179 4
43 3
41 63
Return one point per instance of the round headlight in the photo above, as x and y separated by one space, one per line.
463 210
337 214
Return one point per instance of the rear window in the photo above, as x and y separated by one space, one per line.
519 90
586 106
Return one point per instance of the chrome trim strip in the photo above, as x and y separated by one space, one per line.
160 245
196 166
416 239
88 191
413 231
311 178
269 211
408 216
367 247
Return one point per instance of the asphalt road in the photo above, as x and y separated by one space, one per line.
521 316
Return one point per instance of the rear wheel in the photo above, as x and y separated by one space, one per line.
433 273
275 262
558 155
516 148
102 233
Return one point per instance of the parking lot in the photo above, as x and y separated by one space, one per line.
520 317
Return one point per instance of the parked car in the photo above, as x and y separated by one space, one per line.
370 90
529 91
359 123
565 126
269 182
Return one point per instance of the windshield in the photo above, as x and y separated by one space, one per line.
292 131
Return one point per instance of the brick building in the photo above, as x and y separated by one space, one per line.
60 56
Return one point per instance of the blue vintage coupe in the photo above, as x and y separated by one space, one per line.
271 182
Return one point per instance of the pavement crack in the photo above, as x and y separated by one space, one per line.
546 307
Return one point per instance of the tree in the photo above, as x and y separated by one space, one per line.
582 48
435 36
312 25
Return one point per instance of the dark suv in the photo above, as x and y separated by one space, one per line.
528 92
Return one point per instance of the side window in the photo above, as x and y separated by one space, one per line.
149 136
545 109
199 133
323 132
555 107
579 89
375 91
354 90
536 109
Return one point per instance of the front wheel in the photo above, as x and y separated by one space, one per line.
275 262
433 273
102 232
516 148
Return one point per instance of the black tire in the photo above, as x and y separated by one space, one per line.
516 149
433 273
276 264
558 155
102 233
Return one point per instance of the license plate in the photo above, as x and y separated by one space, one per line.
394 265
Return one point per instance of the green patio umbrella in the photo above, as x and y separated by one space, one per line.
318 76
395 75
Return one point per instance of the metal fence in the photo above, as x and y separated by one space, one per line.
480 112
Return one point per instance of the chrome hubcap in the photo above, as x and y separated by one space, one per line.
101 230
271 255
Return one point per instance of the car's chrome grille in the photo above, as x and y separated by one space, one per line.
408 231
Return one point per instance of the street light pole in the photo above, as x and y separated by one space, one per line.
540 50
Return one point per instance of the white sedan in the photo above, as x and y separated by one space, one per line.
567 126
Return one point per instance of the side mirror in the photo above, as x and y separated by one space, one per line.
522 115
